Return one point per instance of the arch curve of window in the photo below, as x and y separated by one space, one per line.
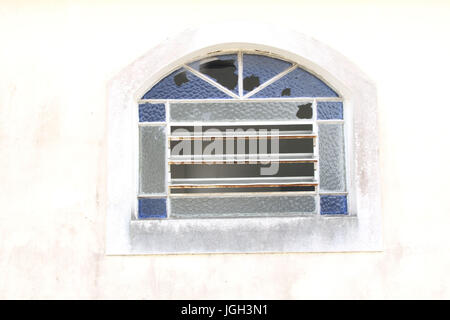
258 90
239 75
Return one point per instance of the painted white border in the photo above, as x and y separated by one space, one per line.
360 231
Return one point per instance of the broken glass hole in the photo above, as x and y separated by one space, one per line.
304 111
180 78
251 83
286 92
223 71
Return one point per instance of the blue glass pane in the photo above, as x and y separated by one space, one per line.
152 112
152 208
257 69
182 84
329 110
297 83
223 69
333 204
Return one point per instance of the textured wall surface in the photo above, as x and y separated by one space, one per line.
52 160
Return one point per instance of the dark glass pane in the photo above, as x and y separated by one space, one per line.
293 127
237 146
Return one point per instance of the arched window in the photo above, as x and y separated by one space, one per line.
241 133
241 147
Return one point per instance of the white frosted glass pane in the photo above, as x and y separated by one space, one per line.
207 207
152 159
243 111
331 157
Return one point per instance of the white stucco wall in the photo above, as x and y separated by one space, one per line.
55 61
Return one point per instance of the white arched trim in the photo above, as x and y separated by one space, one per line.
359 231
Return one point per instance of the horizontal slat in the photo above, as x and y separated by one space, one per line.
251 99
238 190
241 183
242 170
244 158
269 135
239 126
243 123
299 178
207 194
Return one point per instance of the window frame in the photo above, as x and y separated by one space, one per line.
360 230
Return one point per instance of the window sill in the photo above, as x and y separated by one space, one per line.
312 233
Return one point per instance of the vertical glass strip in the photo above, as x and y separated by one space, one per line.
152 159
332 157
